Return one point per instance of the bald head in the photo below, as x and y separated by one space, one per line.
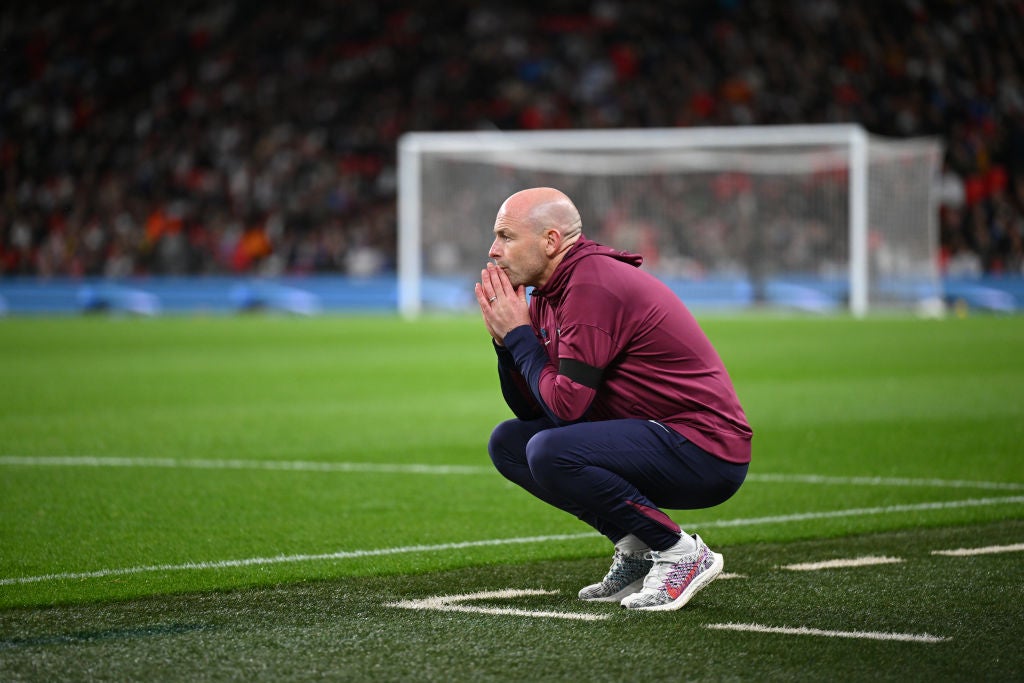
544 208
532 232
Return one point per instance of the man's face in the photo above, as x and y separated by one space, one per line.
519 251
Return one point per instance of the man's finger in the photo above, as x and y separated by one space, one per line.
506 284
494 282
502 284
481 298
487 284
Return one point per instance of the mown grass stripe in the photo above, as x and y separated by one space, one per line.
351 554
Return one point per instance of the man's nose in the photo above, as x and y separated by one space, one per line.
495 251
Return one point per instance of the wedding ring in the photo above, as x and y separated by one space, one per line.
491 300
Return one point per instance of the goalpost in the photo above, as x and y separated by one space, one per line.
814 217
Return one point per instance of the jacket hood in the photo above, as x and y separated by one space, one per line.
584 248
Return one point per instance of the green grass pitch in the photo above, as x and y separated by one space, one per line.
250 498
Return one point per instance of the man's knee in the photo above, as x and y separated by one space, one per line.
505 447
549 456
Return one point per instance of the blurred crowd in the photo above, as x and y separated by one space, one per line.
260 137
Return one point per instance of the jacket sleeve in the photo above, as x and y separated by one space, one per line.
564 392
514 388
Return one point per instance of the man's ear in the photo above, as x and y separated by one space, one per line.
552 242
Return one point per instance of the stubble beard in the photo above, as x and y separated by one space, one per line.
525 275
513 276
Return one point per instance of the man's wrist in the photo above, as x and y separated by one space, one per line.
516 333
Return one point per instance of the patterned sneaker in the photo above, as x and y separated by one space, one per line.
625 577
675 578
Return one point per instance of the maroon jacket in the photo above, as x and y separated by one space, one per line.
611 341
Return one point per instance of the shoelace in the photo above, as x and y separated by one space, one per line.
618 568
618 564
655 579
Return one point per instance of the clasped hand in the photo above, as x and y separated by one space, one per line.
503 306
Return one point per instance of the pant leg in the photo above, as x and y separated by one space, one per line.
615 474
507 448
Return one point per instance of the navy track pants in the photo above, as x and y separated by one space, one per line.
615 475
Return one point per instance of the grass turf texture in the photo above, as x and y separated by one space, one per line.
341 629
891 398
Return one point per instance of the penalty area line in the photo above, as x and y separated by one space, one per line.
805 631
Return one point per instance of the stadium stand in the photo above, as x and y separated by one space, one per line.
231 137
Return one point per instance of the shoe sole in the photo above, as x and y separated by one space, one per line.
632 588
698 583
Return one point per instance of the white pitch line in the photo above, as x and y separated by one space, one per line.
350 554
286 559
453 603
274 465
883 481
856 512
987 550
804 631
417 468
866 561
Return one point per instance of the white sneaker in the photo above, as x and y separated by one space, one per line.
675 578
625 577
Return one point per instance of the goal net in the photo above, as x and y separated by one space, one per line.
817 217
